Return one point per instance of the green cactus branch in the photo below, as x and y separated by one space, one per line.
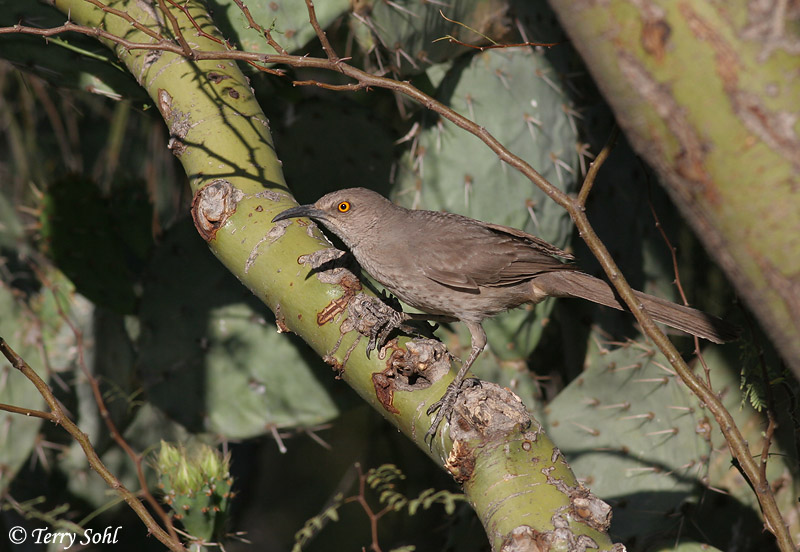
704 94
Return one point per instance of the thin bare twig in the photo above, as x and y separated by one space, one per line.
161 44
176 29
352 87
677 280
594 166
323 38
772 421
196 25
127 17
493 44
27 412
772 426
454 40
252 22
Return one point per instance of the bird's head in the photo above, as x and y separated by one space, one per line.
350 213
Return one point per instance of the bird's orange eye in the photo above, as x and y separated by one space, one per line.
344 206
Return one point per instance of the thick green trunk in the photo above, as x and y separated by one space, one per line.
707 93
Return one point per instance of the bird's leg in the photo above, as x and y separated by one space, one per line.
388 319
444 406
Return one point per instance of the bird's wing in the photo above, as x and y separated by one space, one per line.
534 242
489 255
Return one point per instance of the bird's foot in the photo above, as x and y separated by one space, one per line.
387 321
444 406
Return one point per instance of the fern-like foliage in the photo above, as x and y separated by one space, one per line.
382 481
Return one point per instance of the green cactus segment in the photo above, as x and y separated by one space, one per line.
210 354
11 231
18 434
647 446
29 318
408 32
72 60
514 95
629 426
99 243
197 487
287 21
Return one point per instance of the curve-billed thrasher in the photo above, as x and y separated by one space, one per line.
458 268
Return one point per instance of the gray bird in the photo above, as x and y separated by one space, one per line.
457 268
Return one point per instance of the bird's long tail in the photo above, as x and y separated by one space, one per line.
686 319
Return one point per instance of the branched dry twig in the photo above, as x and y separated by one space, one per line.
58 417
127 17
176 29
194 23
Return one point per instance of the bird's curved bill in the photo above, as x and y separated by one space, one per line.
300 211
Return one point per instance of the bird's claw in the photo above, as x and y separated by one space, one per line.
444 406
379 333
